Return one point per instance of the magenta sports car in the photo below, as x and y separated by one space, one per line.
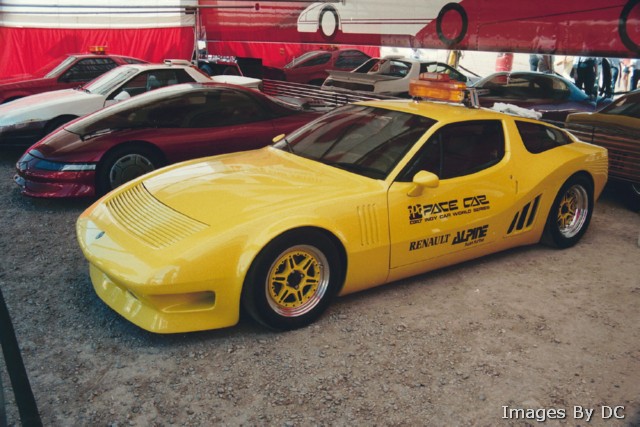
96 153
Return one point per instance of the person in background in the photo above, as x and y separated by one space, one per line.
615 73
605 79
625 71
504 61
585 74
634 74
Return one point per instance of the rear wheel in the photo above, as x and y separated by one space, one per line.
292 280
570 213
124 164
54 124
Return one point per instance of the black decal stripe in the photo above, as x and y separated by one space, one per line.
513 223
534 209
523 216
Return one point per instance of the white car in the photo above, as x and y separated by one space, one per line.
390 75
26 120
372 16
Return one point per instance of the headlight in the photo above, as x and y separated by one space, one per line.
31 161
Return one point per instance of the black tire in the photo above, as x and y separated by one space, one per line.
54 124
331 14
633 195
124 164
292 280
570 213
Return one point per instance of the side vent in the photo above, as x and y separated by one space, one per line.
369 230
524 218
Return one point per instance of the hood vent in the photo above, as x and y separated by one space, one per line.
151 221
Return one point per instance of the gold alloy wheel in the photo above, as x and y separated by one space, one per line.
297 281
573 211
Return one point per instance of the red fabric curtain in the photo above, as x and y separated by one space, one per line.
24 50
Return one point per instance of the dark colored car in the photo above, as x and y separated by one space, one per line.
550 94
63 73
617 128
311 67
94 154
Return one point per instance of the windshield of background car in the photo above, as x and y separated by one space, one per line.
185 107
526 87
366 140
628 106
104 84
55 67
322 58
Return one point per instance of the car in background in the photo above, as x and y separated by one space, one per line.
617 128
368 194
312 67
551 95
65 72
103 150
26 120
390 75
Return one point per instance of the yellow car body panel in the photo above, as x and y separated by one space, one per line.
170 250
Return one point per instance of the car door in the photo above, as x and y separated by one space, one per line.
213 122
474 194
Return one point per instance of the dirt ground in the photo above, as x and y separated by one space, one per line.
516 338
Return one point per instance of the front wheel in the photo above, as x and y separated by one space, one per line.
570 213
292 280
124 164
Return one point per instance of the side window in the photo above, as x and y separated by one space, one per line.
88 69
538 138
459 149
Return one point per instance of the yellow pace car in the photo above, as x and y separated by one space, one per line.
367 194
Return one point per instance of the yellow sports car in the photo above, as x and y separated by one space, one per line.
367 194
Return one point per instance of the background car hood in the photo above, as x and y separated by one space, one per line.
253 185
47 105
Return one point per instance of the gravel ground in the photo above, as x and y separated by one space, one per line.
510 339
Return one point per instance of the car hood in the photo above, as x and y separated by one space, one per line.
253 185
45 106
23 81
612 121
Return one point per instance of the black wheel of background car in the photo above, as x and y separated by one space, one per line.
328 23
570 213
54 124
633 196
124 164
292 280
622 25
452 7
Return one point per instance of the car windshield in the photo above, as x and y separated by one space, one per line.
54 68
302 58
132 113
106 83
365 140
625 106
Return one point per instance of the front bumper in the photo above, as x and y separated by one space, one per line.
36 182
159 290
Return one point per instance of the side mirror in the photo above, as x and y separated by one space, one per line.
278 138
122 96
422 180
